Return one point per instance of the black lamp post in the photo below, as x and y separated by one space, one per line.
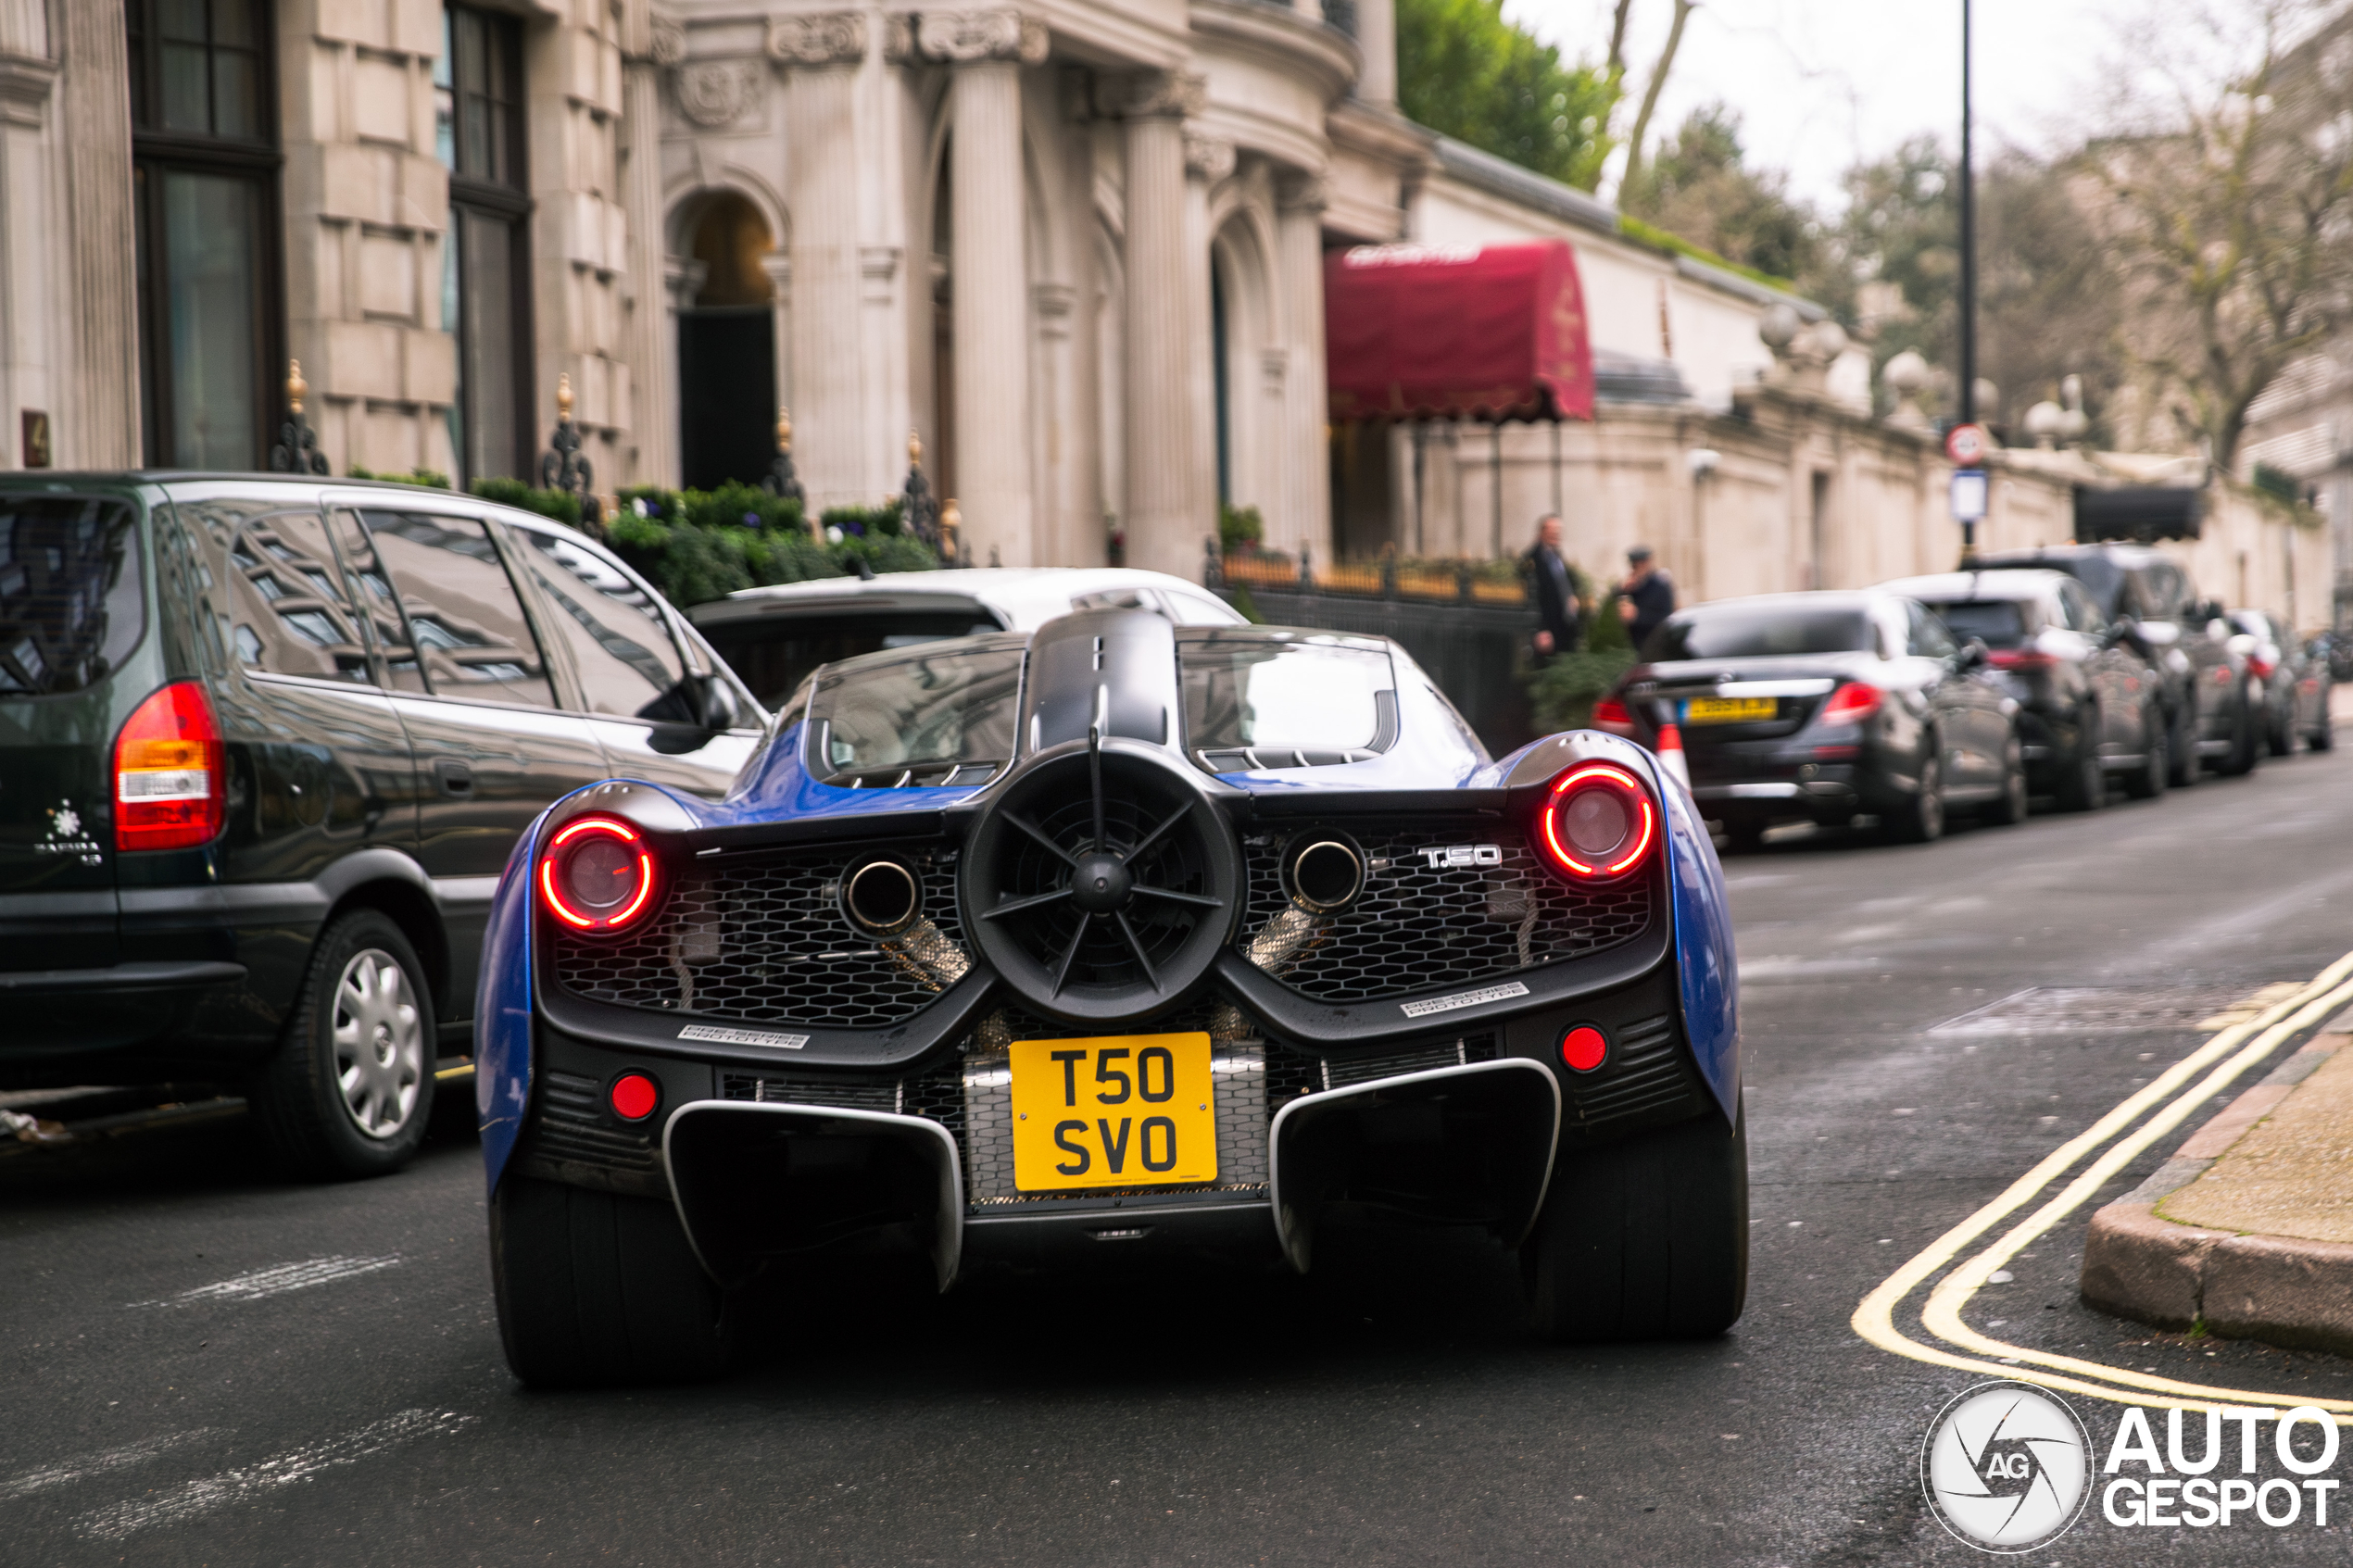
1967 303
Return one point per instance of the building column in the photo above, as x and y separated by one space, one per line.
1162 522
823 53
1307 493
101 425
652 336
989 271
1208 160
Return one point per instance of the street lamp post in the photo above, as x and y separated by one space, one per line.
1965 444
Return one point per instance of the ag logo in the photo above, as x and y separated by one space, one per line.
2007 1467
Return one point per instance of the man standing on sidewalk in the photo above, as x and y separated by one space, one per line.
1560 612
1645 598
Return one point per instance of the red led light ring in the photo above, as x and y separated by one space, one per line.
1599 775
573 832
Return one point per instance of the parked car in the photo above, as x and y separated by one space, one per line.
266 745
2088 703
2214 715
2296 682
774 636
1119 934
1824 706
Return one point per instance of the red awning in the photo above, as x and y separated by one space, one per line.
1437 331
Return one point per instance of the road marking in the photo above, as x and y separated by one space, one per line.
277 1281
2252 1039
120 1521
64 1471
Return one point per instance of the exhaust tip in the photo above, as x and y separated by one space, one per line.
1327 874
881 897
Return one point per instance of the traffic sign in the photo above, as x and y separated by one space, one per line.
1966 445
1969 495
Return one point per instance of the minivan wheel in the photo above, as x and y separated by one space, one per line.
349 1090
1645 1238
597 1289
1921 819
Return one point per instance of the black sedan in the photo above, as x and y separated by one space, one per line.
1823 706
2297 682
2089 705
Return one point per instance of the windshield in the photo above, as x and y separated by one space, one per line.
773 654
1312 694
2000 622
952 703
71 608
1758 633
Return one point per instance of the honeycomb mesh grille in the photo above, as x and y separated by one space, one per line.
764 941
1418 926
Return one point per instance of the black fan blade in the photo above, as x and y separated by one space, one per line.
1016 905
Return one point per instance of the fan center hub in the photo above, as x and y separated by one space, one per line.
1099 883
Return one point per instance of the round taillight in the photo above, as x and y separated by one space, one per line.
633 1097
1584 1048
598 875
1599 823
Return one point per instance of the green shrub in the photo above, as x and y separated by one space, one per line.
864 522
425 478
697 545
1240 529
561 505
1564 691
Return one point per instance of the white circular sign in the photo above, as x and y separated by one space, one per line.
2007 1467
1966 445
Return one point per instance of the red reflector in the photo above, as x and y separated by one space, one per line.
635 1096
1610 714
1851 704
2019 658
170 783
1584 1048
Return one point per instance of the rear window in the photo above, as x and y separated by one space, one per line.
72 606
2000 622
1309 695
1758 633
956 703
773 654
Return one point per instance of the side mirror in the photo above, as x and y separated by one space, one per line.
715 706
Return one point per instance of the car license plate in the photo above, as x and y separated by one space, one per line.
1731 710
1129 1111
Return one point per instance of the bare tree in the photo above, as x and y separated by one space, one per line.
1618 37
1650 92
2230 198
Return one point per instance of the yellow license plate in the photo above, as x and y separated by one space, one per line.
1130 1110
1730 709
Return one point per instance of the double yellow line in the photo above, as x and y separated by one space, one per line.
2224 1058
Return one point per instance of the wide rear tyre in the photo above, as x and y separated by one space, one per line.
1643 1240
595 1288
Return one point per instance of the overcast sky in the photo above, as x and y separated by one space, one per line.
1822 85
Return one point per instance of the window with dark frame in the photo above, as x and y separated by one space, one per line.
204 182
485 275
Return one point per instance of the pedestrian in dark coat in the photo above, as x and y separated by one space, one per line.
1645 598
1558 593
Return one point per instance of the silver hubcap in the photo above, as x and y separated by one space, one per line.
380 1052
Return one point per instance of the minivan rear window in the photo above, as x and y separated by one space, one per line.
73 605
2000 622
1758 633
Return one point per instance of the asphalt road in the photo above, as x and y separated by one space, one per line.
170 1400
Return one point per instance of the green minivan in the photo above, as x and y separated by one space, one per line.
265 744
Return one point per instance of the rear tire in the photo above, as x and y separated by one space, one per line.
595 1288
2009 809
349 1090
1643 1240
2181 742
1921 819
2247 743
2083 786
2324 738
2147 782
2283 733
1745 835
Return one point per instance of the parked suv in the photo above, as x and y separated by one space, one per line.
2213 708
2088 702
265 744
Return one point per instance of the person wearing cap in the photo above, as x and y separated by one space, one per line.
1646 597
1558 592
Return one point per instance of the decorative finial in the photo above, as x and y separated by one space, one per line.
296 388
784 428
297 448
914 448
563 395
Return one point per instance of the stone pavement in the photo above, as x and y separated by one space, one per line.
2249 1229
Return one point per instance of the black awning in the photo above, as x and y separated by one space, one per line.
2143 513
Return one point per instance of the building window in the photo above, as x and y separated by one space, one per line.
205 174
486 273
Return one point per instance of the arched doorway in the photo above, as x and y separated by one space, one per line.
727 351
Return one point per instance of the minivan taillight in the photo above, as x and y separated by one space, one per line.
170 783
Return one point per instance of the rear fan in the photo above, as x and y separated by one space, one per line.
1101 884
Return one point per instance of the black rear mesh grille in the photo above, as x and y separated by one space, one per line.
1339 1071
804 1088
1418 926
764 941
